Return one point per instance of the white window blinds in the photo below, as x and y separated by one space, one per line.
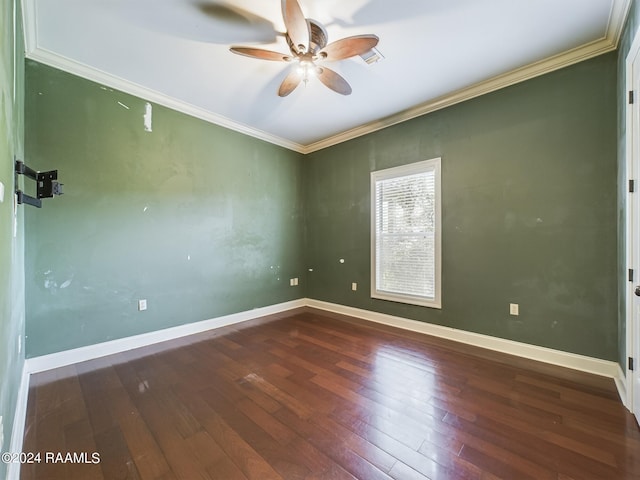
406 233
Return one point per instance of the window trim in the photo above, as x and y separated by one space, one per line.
434 165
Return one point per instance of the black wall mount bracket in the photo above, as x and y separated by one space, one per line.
47 185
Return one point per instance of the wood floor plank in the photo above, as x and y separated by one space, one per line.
146 452
374 455
501 441
252 465
115 458
179 456
79 439
333 446
376 435
309 395
286 461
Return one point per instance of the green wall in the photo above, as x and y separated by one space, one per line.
628 34
12 313
202 221
529 211
198 220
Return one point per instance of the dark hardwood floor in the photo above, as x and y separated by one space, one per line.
311 396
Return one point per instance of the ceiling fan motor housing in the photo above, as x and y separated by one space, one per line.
318 38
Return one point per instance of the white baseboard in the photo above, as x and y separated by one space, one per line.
621 385
556 357
19 418
90 352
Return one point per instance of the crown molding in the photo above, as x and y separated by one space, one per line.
608 43
34 52
488 86
99 76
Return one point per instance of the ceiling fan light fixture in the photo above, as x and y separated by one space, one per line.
307 70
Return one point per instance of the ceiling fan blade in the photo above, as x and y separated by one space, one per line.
349 47
260 53
296 25
290 83
334 81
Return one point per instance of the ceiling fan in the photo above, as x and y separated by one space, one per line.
307 40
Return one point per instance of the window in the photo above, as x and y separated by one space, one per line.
405 240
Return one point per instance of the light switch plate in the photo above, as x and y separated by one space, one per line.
1 192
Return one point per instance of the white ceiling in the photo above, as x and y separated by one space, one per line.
437 53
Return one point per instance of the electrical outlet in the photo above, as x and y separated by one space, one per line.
142 305
514 309
354 286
